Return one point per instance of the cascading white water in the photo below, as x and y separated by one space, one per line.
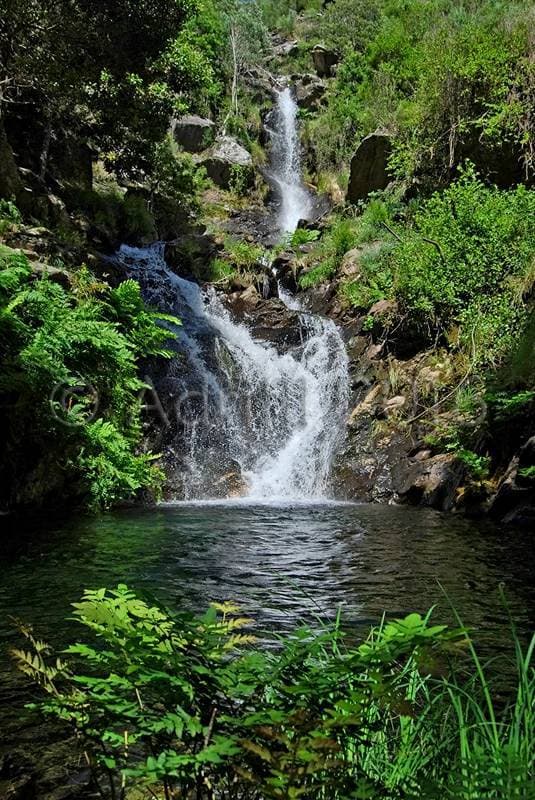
249 420
273 421
295 201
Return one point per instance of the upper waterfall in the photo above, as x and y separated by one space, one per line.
295 201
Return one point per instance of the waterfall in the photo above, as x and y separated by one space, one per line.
295 201
248 420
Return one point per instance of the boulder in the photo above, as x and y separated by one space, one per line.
286 49
430 482
351 265
324 60
268 320
369 166
309 91
193 133
384 308
227 159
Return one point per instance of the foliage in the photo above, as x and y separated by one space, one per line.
189 706
449 80
134 74
456 260
243 255
221 270
9 215
325 259
302 236
69 385
176 184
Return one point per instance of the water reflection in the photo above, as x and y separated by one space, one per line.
283 565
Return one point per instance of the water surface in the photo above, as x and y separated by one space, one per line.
282 564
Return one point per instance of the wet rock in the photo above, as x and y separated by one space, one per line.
268 320
309 91
193 133
369 166
432 482
324 60
231 484
191 254
227 159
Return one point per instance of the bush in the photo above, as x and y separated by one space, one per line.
69 385
458 260
186 706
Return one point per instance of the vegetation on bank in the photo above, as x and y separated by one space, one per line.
177 705
448 80
70 390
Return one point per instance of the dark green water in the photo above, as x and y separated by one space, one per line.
282 564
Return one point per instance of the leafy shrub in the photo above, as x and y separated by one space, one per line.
456 260
319 274
221 270
9 215
188 706
69 385
303 236
176 184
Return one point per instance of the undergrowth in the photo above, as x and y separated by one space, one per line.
186 706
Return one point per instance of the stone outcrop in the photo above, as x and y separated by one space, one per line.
194 134
268 320
369 166
226 160
309 91
324 60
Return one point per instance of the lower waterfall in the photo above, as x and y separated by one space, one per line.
268 423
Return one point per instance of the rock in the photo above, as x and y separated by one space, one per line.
395 403
268 320
384 308
367 405
432 482
54 274
250 298
309 91
350 266
231 484
324 60
193 133
374 350
286 49
227 159
422 455
369 166
191 254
